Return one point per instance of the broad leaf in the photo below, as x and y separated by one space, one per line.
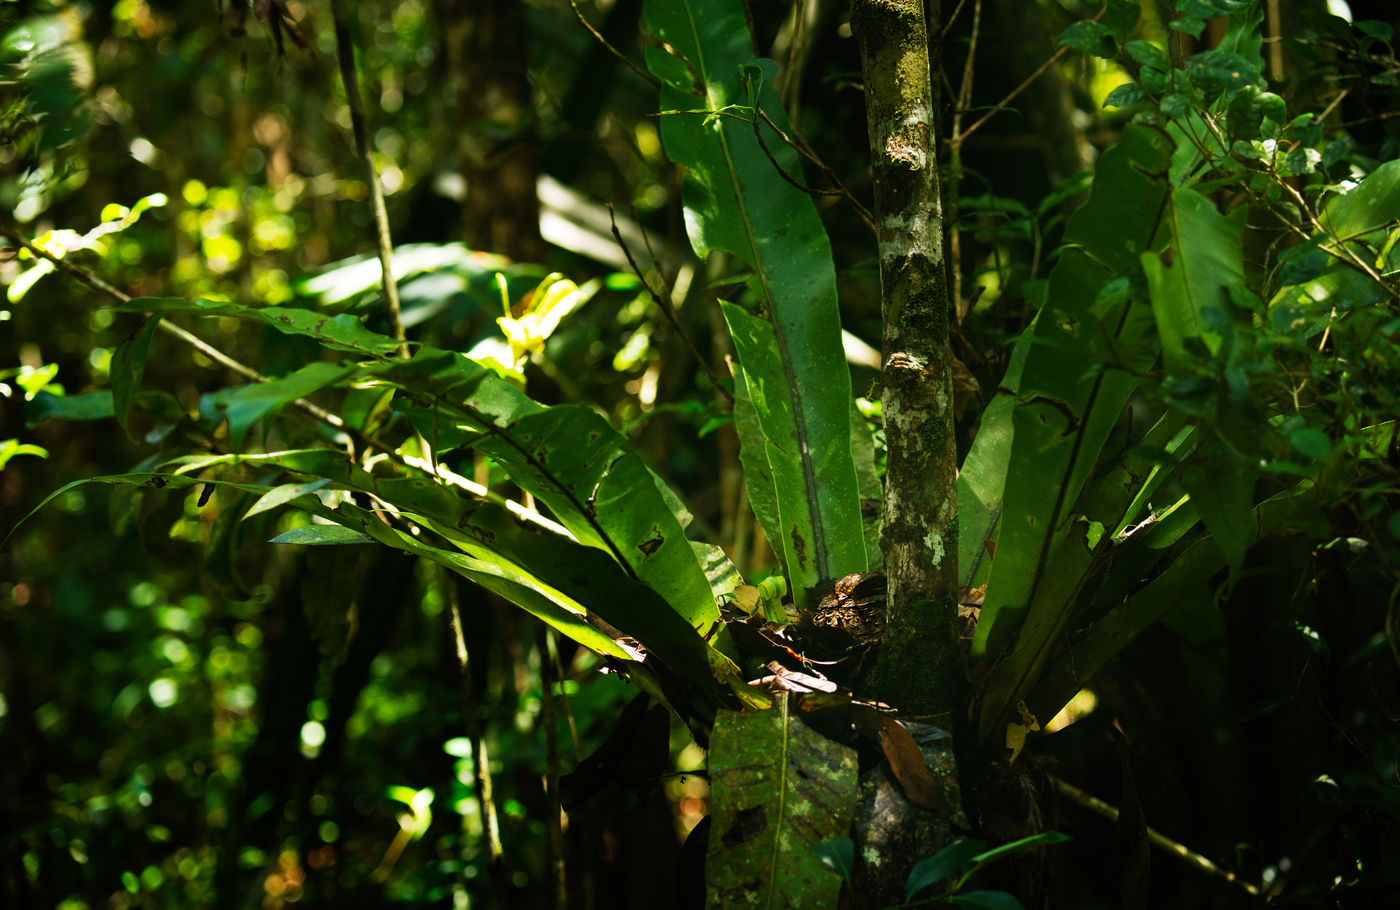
946 863
571 459
982 477
778 791
321 536
1194 567
1372 203
1207 262
581 580
736 202
1068 400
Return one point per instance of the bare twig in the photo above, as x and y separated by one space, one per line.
549 724
668 308
346 52
956 141
481 765
1155 837
965 88
952 18
839 188
656 83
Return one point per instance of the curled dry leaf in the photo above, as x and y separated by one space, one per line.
907 763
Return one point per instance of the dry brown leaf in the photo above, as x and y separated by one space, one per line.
908 766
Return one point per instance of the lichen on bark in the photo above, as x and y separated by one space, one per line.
917 670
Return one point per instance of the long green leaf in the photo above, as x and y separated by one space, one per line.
753 455
778 789
737 202
571 459
581 580
245 405
1068 401
1207 261
1207 265
1107 503
340 333
1194 567
982 477
520 587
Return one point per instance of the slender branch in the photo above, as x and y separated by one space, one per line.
953 18
655 83
346 52
1155 837
556 874
965 88
1000 106
481 765
668 309
839 188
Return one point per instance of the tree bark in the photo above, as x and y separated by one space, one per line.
496 125
918 670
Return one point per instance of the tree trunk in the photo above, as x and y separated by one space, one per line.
496 125
919 670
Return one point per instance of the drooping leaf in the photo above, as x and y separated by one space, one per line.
946 863
1372 203
91 406
778 790
559 574
321 536
281 495
1194 567
128 366
499 576
736 202
242 406
986 900
340 333
1207 262
571 459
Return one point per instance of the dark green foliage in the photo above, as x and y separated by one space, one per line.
212 694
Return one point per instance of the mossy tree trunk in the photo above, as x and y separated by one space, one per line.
919 669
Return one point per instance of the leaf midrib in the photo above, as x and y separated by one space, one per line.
820 563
